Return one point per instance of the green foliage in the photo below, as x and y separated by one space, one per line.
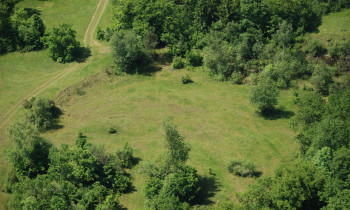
43 112
264 95
125 156
172 185
82 175
218 57
62 44
127 53
310 108
242 168
339 49
237 77
193 58
177 152
315 48
294 186
322 78
100 34
178 63
112 131
30 155
186 79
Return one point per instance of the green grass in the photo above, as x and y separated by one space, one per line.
216 118
335 26
55 12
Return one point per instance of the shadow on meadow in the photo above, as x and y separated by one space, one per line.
277 113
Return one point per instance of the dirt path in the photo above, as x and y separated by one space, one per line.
88 41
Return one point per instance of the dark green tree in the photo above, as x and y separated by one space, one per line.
264 95
62 44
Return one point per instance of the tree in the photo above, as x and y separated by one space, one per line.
62 44
284 35
127 53
42 113
264 95
322 78
177 150
31 154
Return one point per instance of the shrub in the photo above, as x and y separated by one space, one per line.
193 58
339 49
178 63
237 77
126 156
43 112
186 79
322 78
100 34
315 48
27 104
112 131
264 95
242 168
127 53
62 44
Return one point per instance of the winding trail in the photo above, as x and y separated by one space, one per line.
88 41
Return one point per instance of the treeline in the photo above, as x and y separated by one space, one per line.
319 177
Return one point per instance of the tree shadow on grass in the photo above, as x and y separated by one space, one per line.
150 70
275 114
83 54
56 113
208 187
32 11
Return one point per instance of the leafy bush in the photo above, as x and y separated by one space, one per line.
339 49
193 58
100 34
264 95
178 63
322 78
62 44
186 79
315 48
127 53
112 131
237 77
125 156
43 112
241 168
27 104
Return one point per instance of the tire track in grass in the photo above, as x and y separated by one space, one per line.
88 39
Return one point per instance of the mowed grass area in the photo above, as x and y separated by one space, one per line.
22 72
55 12
216 118
334 26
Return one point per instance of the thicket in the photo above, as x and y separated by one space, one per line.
171 184
319 177
20 29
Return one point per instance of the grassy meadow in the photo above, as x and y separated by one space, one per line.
334 26
216 118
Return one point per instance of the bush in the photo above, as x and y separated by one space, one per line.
322 78
127 53
315 48
264 95
112 131
237 77
62 44
100 34
178 63
125 156
193 58
242 168
43 112
186 79
339 49
27 104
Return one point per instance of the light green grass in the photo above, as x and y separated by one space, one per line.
55 12
216 118
335 26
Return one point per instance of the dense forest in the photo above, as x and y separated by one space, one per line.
261 42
